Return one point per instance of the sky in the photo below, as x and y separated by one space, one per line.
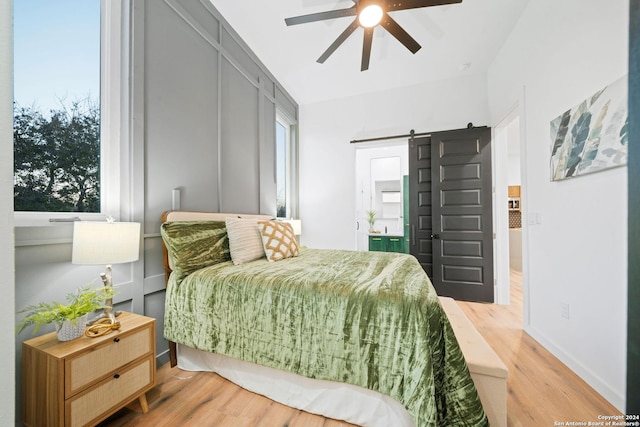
56 52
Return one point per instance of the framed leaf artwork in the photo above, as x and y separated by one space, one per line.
592 136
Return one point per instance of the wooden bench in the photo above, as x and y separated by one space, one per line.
488 372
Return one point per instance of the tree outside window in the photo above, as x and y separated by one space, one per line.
57 159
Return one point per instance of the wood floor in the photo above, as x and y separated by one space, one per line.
541 390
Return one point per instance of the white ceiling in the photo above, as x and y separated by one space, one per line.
451 36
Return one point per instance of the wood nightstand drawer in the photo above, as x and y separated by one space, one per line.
100 360
111 393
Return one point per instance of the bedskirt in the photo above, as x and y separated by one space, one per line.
340 401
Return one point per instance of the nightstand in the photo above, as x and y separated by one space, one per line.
83 381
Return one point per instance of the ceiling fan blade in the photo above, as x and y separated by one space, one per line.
341 38
414 4
321 16
366 48
399 33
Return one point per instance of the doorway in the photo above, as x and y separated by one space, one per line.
379 169
509 204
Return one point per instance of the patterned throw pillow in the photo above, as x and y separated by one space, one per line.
193 245
245 242
278 240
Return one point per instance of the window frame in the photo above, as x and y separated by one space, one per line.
289 126
113 34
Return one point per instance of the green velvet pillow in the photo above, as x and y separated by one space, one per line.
193 245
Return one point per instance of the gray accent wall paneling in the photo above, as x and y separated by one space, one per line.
267 151
181 110
239 142
286 104
209 108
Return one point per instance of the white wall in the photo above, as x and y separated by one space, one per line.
577 255
513 152
7 355
327 159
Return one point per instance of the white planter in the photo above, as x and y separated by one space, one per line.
71 329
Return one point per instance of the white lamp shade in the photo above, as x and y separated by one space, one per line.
296 224
105 242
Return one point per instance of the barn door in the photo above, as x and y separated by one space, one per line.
420 228
462 227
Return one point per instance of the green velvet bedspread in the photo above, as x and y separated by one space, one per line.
371 319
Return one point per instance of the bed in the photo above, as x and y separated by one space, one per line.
357 336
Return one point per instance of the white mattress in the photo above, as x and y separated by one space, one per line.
335 400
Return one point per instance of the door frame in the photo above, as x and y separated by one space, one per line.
500 179
501 246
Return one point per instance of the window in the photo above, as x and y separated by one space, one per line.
66 84
283 167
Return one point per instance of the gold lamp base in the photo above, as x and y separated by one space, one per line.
108 309
101 327
106 322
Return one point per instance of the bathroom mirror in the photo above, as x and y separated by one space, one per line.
386 183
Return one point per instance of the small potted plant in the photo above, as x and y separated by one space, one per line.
371 218
70 319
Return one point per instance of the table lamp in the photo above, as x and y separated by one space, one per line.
105 243
296 224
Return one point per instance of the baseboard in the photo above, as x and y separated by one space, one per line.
617 399
162 358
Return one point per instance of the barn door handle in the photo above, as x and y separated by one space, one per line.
435 236
413 234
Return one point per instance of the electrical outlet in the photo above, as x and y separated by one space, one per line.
564 310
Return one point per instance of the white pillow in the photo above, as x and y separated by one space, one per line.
245 240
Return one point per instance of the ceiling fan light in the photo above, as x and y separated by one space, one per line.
370 16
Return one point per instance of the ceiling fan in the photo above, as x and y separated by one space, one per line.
369 14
